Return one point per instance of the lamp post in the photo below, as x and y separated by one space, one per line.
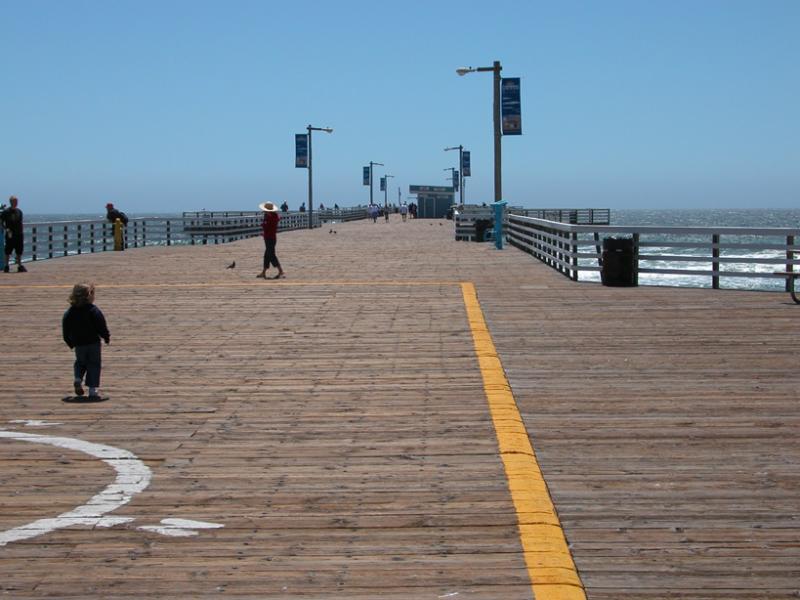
386 191
371 163
460 149
495 68
310 185
452 173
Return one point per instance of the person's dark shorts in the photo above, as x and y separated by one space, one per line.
14 244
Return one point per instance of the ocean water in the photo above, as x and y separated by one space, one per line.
40 218
756 217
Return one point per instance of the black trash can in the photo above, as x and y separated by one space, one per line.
481 225
618 262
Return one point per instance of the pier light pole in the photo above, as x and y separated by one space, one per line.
460 171
386 190
371 163
310 185
452 173
498 135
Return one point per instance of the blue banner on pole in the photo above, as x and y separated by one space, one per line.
456 177
301 150
465 166
510 102
366 175
383 184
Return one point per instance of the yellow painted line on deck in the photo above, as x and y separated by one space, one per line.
550 565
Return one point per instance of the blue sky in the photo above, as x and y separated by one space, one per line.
180 105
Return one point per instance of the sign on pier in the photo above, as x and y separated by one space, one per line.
301 150
510 102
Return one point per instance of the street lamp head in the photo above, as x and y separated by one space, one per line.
464 70
328 129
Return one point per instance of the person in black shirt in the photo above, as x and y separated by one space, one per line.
112 214
15 238
83 325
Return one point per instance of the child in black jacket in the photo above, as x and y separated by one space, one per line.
83 325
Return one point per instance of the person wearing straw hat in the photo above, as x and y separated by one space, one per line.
269 226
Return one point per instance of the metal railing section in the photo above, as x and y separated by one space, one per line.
466 217
715 253
64 238
574 216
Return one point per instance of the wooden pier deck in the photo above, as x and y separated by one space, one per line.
348 432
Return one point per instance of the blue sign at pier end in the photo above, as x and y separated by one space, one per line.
465 166
366 175
301 150
511 107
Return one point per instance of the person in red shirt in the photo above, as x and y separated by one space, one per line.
270 228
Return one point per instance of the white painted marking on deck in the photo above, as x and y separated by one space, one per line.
133 476
33 423
180 527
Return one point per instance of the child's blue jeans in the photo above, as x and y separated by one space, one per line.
87 362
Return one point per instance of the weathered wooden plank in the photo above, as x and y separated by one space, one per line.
338 427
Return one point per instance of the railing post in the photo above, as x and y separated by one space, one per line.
789 259
559 256
91 237
598 249
66 239
574 250
635 259
49 241
169 234
33 244
715 263
79 236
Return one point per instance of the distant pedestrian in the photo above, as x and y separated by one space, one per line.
404 211
373 212
303 207
2 236
321 206
83 325
112 214
386 213
14 238
284 207
269 227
